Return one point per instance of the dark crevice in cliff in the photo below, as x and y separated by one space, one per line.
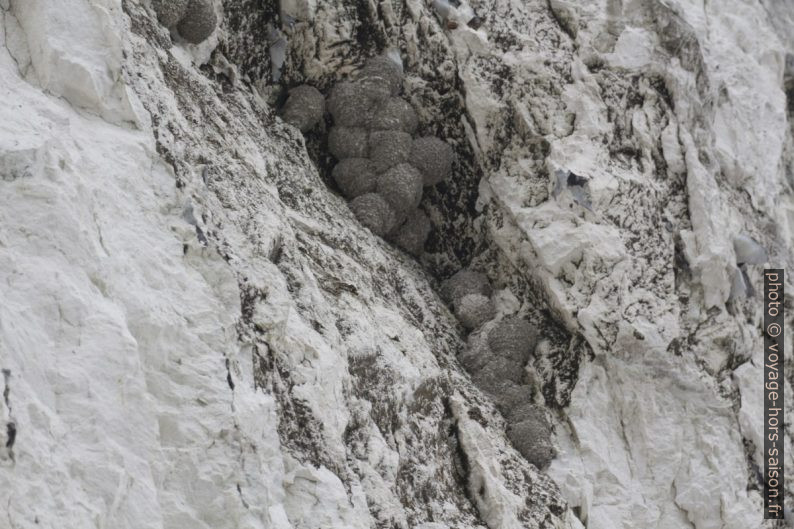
11 426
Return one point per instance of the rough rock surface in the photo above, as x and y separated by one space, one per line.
195 333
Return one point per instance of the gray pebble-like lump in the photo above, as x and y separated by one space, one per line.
169 12
388 148
395 114
475 355
503 379
434 158
513 338
401 187
497 375
199 21
490 382
304 108
463 283
354 176
348 142
510 400
531 436
411 236
373 212
354 104
473 310
385 69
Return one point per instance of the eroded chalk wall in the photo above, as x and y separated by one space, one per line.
196 332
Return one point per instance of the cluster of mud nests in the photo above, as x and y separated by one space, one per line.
381 167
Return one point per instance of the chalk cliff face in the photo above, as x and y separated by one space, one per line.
195 331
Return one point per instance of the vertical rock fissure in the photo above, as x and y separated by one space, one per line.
11 426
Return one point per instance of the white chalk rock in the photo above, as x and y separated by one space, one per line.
84 68
259 360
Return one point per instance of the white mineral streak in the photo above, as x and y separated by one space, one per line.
236 352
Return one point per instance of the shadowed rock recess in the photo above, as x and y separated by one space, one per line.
415 264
